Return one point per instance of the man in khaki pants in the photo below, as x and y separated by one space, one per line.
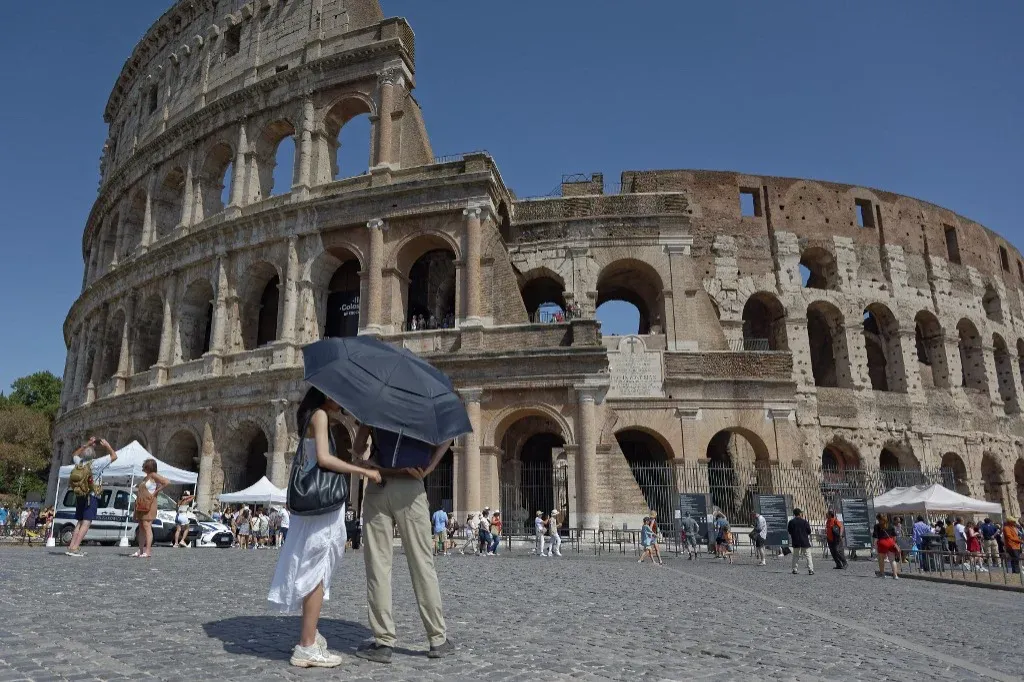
399 499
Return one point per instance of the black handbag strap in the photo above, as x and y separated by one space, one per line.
300 450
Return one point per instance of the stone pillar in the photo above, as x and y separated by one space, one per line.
471 451
305 149
852 371
147 216
386 79
277 464
908 350
219 322
187 201
115 257
204 487
374 276
587 438
166 334
124 359
472 260
992 376
238 173
291 302
955 366
80 369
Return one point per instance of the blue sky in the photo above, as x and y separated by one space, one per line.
921 98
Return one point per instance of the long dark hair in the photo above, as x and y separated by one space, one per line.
311 402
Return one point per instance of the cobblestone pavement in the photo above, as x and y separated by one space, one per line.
199 615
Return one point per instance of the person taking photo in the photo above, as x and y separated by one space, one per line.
86 482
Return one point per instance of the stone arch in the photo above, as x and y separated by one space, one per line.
495 431
112 339
764 323
428 264
167 202
957 478
149 322
275 145
931 350
245 458
818 269
638 284
830 357
883 348
529 479
992 479
649 457
1004 373
839 455
195 320
215 177
972 356
182 450
339 120
261 309
543 293
842 473
735 456
341 317
992 304
337 252
134 218
899 466
1018 479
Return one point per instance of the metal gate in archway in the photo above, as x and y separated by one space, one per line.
529 487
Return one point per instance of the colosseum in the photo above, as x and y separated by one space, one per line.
795 336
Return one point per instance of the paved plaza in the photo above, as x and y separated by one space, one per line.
200 615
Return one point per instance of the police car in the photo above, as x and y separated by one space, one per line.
112 515
212 533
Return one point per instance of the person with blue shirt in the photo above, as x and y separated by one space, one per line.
440 520
989 543
3 516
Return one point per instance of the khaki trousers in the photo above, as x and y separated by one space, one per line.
402 501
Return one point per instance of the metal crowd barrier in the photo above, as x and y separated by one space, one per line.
1003 569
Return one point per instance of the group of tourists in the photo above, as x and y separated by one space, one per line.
28 520
482 533
256 528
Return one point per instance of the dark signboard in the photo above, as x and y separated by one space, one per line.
775 510
342 314
696 505
857 523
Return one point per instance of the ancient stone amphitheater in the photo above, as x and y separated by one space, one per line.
795 336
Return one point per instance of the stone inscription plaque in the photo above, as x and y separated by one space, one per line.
635 372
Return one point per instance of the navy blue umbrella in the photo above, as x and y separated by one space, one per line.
388 388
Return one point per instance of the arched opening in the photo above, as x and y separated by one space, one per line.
636 284
275 159
830 359
1018 479
818 269
149 320
764 323
131 228
992 305
112 345
167 202
533 476
181 451
841 473
972 357
992 479
651 465
884 352
899 467
738 469
954 473
543 295
931 351
431 292
349 135
260 306
195 320
342 318
1004 374
215 180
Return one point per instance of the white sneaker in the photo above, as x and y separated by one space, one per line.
982 569
558 554
314 657
79 553
762 563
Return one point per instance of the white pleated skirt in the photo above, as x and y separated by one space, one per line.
311 552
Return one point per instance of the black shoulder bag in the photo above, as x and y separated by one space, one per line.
315 490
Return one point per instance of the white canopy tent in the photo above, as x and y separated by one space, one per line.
260 491
932 498
129 465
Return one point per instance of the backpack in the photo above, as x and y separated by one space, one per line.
836 532
80 480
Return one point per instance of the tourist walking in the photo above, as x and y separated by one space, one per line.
691 534
974 546
399 498
646 540
556 539
181 520
145 506
315 543
470 531
86 482
1011 543
800 540
483 532
834 538
721 521
440 521
885 545
283 524
538 533
989 544
960 535
920 529
758 536
496 523
244 521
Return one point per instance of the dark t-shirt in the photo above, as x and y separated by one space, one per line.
988 530
880 533
392 452
799 532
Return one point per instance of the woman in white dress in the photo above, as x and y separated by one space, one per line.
315 544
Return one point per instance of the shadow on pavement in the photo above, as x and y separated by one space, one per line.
273 637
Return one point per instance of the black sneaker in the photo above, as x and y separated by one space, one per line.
377 653
441 650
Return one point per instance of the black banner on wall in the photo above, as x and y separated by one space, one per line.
857 525
696 505
775 510
342 314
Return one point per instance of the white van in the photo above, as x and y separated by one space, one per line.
111 515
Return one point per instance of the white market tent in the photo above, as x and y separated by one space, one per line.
260 491
932 498
129 465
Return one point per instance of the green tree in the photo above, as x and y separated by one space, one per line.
39 391
24 447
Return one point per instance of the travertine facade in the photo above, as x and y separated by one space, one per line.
833 326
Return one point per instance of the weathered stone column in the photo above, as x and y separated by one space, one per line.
277 460
204 486
374 276
219 322
586 402
124 359
80 368
472 261
291 302
305 149
166 334
386 79
908 350
189 194
147 216
238 173
471 450
115 258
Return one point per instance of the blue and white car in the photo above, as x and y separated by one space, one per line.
113 520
